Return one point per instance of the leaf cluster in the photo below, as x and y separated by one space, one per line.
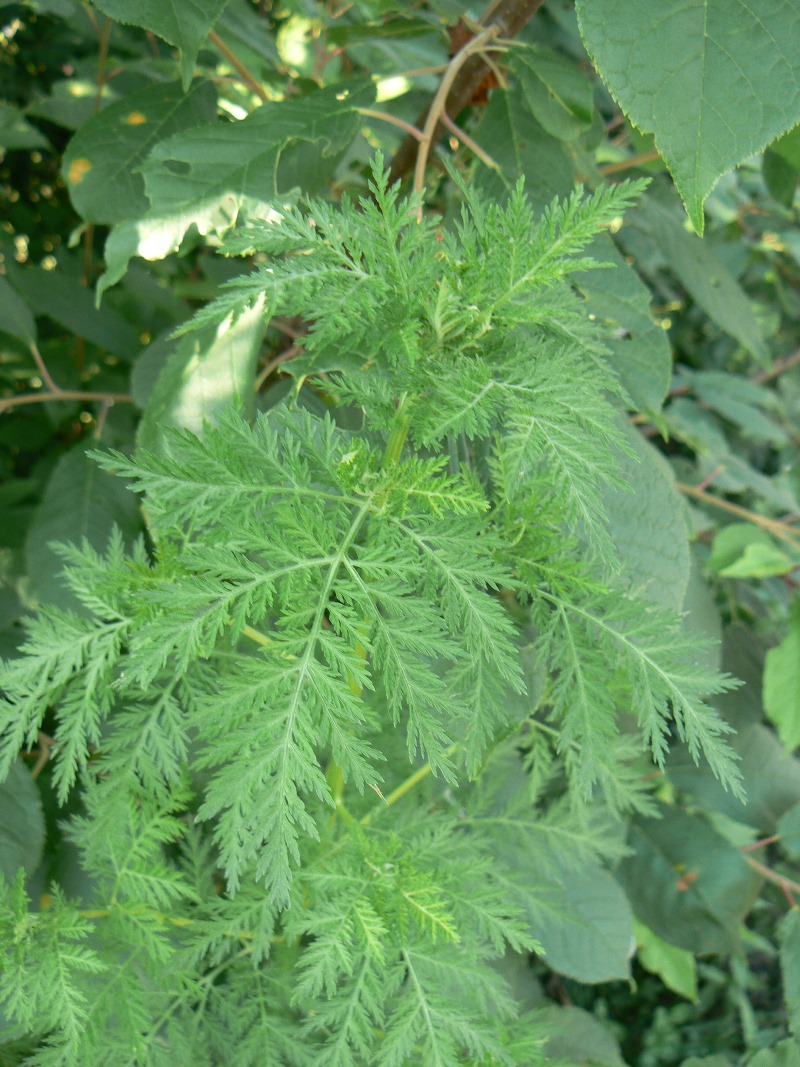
324 610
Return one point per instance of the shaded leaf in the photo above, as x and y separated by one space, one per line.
782 685
79 501
15 315
521 148
185 25
687 883
676 967
784 1054
579 1039
789 938
21 823
706 278
593 940
61 297
781 167
209 371
100 165
16 132
557 93
648 525
789 832
714 80
620 301
206 177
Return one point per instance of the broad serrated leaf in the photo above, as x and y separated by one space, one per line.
100 165
208 372
647 523
620 302
782 685
714 80
16 318
592 941
96 503
207 177
687 883
185 25
22 830
59 296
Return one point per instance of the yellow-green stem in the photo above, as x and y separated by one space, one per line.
397 438
256 635
405 787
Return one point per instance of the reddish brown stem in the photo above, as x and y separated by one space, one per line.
508 17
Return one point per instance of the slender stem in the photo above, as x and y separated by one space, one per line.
394 448
630 163
55 392
46 744
238 66
6 404
465 138
476 44
384 116
405 787
397 438
508 16
418 72
761 844
104 36
102 59
772 876
256 635
100 422
273 364
41 366
159 916
779 367
778 529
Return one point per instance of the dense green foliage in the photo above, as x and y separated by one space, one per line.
366 550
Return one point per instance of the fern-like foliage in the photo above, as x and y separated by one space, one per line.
277 709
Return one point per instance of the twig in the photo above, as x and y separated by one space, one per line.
41 366
273 364
711 476
46 743
293 328
419 72
102 59
507 18
778 529
383 116
465 138
55 392
238 66
773 876
761 844
100 422
433 120
629 164
779 367
405 787
7 403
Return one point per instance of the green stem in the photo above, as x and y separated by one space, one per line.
397 438
256 635
405 787
391 457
